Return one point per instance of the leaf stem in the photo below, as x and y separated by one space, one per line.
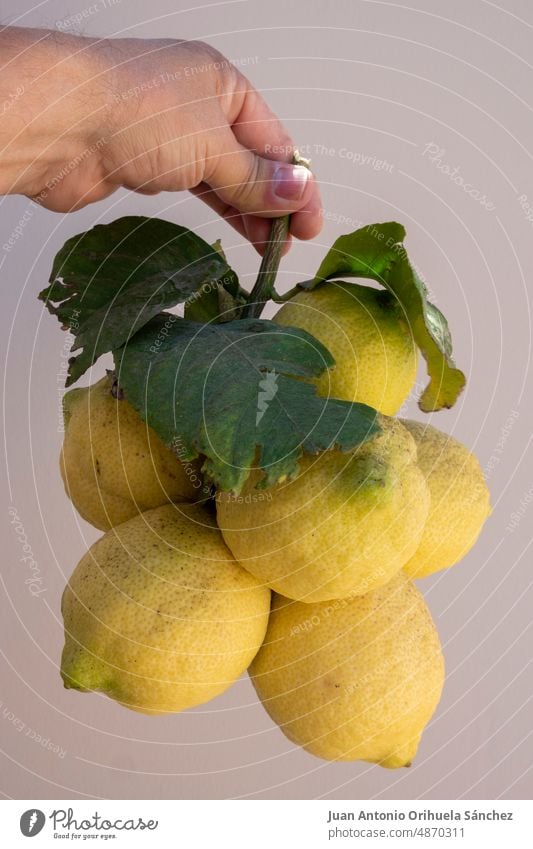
300 287
263 289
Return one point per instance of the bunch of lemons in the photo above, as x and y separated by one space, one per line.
309 586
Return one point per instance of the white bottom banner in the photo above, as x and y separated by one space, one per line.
262 824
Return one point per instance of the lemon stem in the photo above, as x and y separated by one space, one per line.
264 285
263 289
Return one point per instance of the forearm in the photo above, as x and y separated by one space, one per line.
53 104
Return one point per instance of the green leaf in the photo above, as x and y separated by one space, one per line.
213 303
217 301
298 420
368 252
377 253
108 282
204 305
229 392
432 335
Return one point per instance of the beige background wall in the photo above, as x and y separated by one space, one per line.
351 79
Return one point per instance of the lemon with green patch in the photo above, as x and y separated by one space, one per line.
368 335
159 616
344 525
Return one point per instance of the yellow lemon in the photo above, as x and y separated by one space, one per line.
345 525
356 679
367 333
113 465
460 500
159 616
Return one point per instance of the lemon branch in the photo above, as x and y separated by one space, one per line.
264 289
264 286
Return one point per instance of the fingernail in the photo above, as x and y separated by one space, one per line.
289 181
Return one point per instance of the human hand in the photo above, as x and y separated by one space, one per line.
161 115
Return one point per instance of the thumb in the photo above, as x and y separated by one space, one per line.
255 185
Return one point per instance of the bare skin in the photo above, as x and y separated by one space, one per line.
82 117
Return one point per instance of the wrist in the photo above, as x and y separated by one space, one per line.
60 110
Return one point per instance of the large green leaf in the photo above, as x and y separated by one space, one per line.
228 392
376 252
108 282
432 335
368 252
